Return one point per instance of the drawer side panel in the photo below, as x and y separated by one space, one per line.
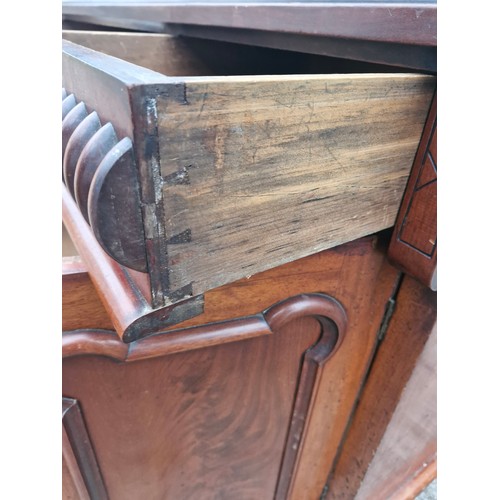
262 171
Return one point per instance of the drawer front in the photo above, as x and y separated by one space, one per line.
209 179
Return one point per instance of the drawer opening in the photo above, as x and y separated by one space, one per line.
187 56
221 165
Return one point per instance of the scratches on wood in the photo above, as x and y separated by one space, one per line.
264 170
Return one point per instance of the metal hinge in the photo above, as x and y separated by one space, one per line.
384 325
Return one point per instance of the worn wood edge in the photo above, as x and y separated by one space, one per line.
332 234
377 22
85 70
81 446
419 481
348 77
126 72
108 344
130 312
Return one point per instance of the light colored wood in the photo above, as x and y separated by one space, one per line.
259 171
398 470
162 53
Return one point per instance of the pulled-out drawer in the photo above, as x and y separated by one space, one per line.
202 180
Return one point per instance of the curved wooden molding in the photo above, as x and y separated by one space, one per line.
73 118
114 207
83 132
68 103
78 453
122 294
326 310
90 158
116 214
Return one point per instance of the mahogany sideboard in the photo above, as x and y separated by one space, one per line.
253 304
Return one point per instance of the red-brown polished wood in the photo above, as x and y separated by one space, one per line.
413 246
408 331
356 274
204 388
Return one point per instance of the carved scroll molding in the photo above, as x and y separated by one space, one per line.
100 173
78 454
106 343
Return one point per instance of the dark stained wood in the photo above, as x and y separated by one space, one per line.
105 343
90 158
254 53
109 190
114 207
408 332
414 242
71 121
396 23
405 461
78 451
382 56
78 140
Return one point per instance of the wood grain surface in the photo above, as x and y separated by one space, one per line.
397 355
355 273
214 421
260 171
242 174
159 52
81 306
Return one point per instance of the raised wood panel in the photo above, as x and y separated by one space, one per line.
205 422
355 273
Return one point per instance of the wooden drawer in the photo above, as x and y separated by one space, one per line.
197 181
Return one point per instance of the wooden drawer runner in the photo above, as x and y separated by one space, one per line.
202 180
